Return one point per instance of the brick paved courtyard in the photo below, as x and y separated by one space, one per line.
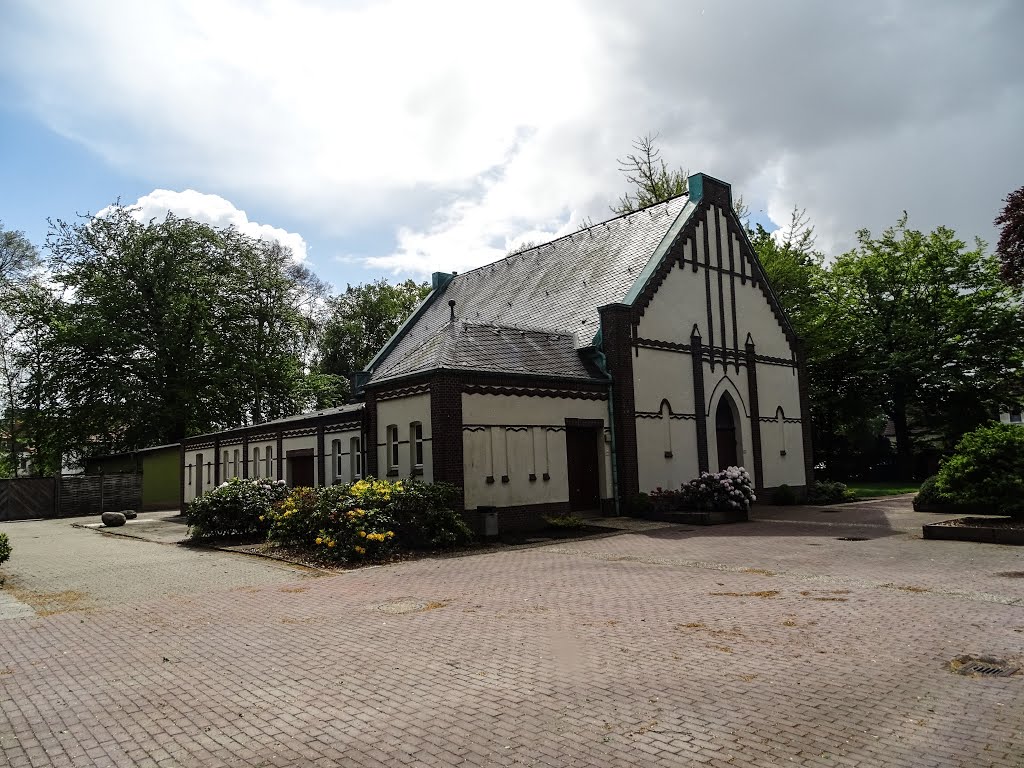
768 643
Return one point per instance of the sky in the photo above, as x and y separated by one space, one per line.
396 138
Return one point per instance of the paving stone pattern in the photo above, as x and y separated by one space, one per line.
769 643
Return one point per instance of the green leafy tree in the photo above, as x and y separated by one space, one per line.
360 321
1010 247
155 330
927 331
18 256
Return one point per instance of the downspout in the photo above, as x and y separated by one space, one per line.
602 363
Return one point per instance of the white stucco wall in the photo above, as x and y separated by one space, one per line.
518 436
402 412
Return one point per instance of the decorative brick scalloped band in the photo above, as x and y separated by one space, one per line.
478 389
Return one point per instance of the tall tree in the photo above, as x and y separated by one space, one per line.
162 329
650 179
360 321
1011 238
18 256
928 330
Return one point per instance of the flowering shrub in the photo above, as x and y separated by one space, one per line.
238 507
341 522
5 548
730 489
986 470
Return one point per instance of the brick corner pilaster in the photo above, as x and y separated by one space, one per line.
617 341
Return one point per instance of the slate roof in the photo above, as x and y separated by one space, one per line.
493 348
553 290
338 411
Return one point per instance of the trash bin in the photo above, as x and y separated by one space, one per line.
489 516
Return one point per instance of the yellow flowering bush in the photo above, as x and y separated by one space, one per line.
341 522
369 519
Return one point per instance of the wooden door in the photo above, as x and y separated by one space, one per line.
581 447
300 471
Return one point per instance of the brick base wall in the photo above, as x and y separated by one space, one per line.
528 517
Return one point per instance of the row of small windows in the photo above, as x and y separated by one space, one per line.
415 447
355 460
261 467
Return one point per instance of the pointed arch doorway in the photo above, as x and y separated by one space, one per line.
726 433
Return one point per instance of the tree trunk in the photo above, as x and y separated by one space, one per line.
904 451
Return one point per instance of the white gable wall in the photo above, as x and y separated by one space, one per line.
720 299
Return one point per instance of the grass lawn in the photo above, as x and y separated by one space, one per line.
867 490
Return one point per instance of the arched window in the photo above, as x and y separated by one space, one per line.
270 463
234 464
256 462
355 457
665 414
780 417
336 460
224 467
392 433
416 446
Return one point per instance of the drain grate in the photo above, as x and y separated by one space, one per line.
971 666
853 538
403 605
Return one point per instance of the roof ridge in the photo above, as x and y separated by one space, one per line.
570 235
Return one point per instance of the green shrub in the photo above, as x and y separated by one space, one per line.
987 470
829 492
640 505
426 518
5 548
566 522
930 499
783 496
238 507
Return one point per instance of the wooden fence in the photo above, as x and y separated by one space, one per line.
26 498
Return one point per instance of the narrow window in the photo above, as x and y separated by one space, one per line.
224 468
355 458
256 461
336 452
209 470
416 444
1015 418
190 474
780 416
392 447
270 463
234 464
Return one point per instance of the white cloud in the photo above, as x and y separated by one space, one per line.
215 210
463 126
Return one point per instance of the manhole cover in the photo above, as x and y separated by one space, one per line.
403 605
853 538
1011 574
983 666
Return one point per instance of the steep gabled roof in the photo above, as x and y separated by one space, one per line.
555 289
